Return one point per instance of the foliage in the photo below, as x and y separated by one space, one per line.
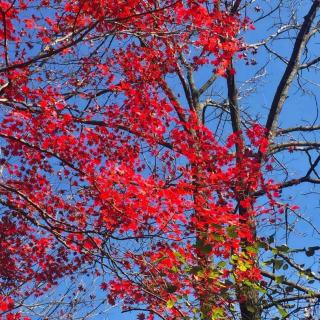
109 169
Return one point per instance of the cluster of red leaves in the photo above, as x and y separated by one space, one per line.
76 174
7 304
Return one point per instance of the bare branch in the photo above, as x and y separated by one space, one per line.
291 70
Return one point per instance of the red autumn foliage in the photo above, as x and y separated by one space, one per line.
98 147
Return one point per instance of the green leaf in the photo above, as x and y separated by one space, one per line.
268 262
179 256
232 232
203 247
251 309
254 285
218 237
285 267
221 264
252 249
200 273
242 266
206 248
283 248
234 258
195 269
213 275
279 279
170 304
217 313
278 264
270 239
199 243
282 311
311 293
175 269
172 288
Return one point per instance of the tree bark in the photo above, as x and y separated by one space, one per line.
248 297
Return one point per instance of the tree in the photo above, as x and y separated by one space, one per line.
134 151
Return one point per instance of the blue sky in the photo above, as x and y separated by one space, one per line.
298 109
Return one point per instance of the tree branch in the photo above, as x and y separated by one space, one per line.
291 70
